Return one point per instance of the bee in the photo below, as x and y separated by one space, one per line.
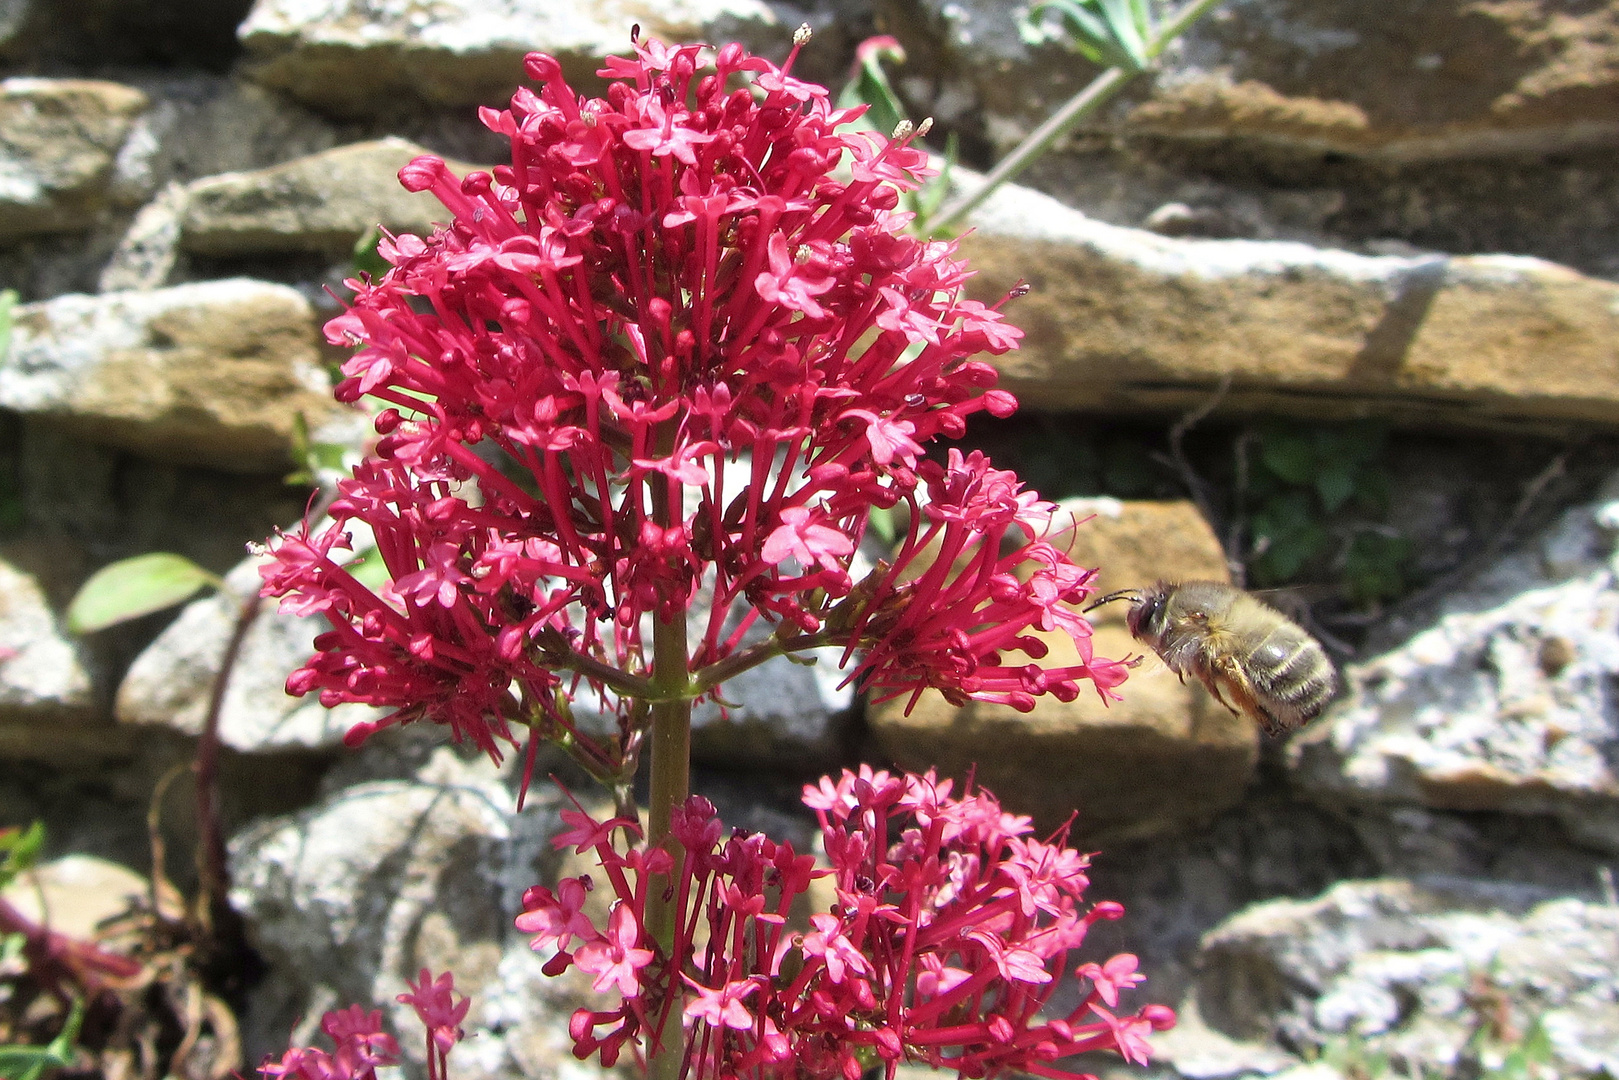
1252 658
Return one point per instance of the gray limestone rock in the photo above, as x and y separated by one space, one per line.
42 672
321 203
170 683
1429 80
212 374
454 52
60 141
1407 969
350 899
1505 703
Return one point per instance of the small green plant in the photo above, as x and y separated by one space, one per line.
1108 33
1123 36
1317 495
869 85
1351 1057
19 850
30 1062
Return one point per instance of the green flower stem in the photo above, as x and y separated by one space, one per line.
670 780
621 681
735 664
1059 123
670 783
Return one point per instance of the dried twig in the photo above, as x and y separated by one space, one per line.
1197 487
1531 494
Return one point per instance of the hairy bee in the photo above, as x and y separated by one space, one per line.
1252 658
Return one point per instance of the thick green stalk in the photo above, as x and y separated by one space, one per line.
1081 105
670 784
670 781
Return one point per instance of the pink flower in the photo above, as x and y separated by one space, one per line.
798 537
1117 974
943 949
616 959
722 1007
436 1007
702 272
556 919
833 949
362 1047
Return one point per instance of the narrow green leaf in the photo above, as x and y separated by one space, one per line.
133 587
872 88
881 522
366 258
8 300
1126 36
20 848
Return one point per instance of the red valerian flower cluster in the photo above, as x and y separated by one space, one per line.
942 948
680 346
363 1045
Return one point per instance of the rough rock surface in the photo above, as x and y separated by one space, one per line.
1430 79
458 52
42 672
73 895
1124 319
321 203
60 140
352 898
171 682
1505 703
1413 969
1166 756
213 373
1439 79
1135 543
788 715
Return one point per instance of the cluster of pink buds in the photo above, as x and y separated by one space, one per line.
943 947
362 1044
682 345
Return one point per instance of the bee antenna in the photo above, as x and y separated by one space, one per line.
1112 596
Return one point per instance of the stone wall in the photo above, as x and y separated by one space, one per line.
1313 214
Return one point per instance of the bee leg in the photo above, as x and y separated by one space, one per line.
1235 682
1211 682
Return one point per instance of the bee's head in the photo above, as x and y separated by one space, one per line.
1148 608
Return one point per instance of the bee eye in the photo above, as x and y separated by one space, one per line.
1152 609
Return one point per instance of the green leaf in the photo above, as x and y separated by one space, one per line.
130 588
366 258
1356 443
20 848
1127 29
1374 566
1286 537
880 520
1288 455
1111 33
28 1062
1086 32
1335 483
8 300
871 87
